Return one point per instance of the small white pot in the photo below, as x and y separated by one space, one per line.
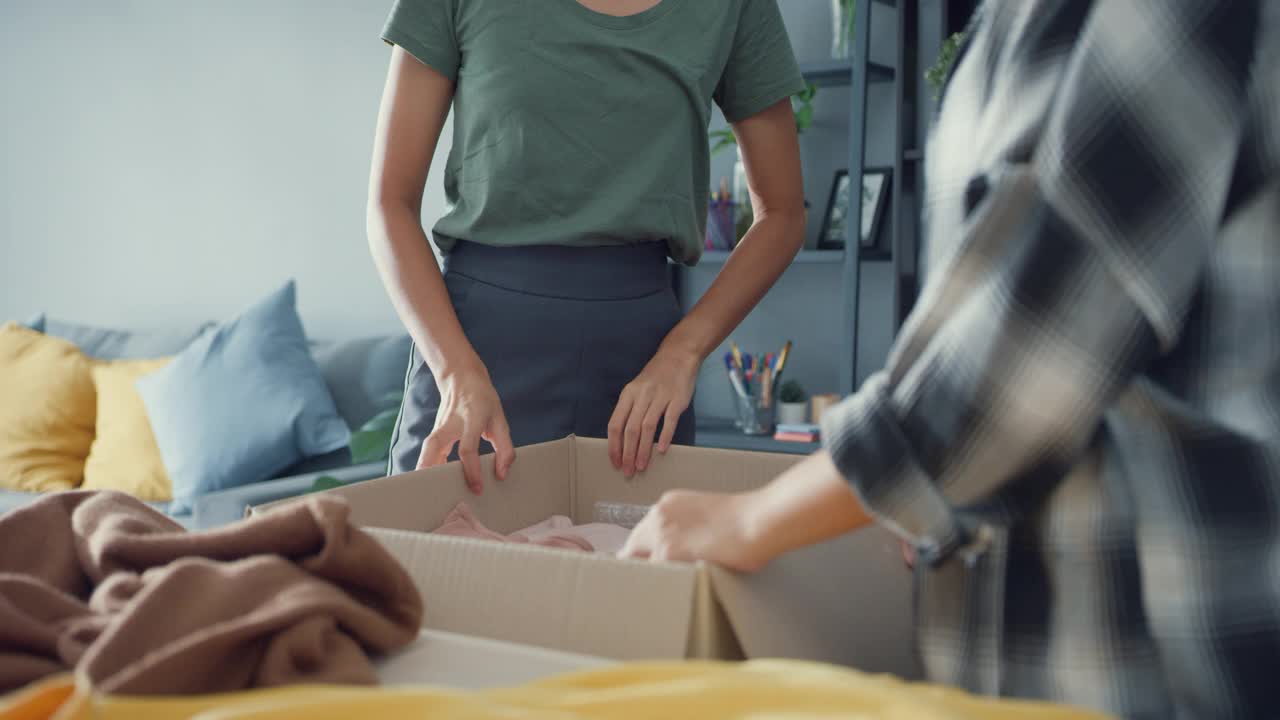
792 413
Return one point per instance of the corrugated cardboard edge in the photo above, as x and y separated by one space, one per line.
574 602
446 659
711 634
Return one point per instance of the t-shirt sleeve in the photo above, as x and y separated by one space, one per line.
426 29
762 67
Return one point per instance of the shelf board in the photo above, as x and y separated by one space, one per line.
840 72
724 435
716 257
804 257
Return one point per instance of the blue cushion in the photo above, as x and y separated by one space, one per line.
109 344
241 403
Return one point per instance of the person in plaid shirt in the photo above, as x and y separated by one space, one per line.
1078 429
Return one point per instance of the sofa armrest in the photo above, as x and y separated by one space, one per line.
227 506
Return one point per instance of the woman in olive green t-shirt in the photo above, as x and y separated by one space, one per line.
579 164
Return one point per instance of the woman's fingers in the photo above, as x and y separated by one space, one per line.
618 425
499 435
640 541
435 450
469 454
649 432
633 434
669 421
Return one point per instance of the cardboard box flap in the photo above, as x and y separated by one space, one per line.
538 486
549 598
690 468
445 659
845 601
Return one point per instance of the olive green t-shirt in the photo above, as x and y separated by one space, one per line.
573 127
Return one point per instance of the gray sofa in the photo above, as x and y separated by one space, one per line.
361 374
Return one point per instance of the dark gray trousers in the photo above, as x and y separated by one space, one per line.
561 330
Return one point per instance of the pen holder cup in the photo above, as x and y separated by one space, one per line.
755 416
737 402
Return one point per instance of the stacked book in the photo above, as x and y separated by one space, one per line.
803 432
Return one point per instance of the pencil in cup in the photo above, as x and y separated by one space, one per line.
736 388
750 381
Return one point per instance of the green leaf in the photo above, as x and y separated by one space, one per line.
723 138
804 118
383 421
937 74
369 446
325 482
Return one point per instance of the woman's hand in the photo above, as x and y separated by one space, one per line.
660 393
807 504
469 410
687 525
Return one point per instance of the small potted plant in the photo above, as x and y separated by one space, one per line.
792 405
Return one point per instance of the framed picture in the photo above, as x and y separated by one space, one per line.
875 196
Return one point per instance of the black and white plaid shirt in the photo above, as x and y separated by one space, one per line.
1079 426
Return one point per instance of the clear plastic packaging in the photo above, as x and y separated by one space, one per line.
622 514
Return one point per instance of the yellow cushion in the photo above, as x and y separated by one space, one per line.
124 455
46 411
755 690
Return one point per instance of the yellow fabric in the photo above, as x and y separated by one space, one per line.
40 700
46 411
124 455
755 690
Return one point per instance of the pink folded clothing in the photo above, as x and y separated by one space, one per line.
557 531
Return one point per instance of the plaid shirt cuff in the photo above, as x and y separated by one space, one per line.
866 443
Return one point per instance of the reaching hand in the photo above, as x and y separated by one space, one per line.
687 525
660 393
469 410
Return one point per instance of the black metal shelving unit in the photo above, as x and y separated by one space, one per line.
858 73
722 434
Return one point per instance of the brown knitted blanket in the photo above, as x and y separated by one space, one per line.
99 582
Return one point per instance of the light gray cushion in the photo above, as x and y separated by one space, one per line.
363 373
111 344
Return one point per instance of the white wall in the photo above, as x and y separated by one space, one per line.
169 161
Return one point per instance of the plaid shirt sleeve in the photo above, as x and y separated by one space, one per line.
1074 270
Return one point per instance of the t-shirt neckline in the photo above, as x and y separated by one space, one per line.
622 22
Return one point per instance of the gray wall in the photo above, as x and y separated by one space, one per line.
804 305
168 162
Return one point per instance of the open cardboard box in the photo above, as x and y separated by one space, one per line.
847 601
445 659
